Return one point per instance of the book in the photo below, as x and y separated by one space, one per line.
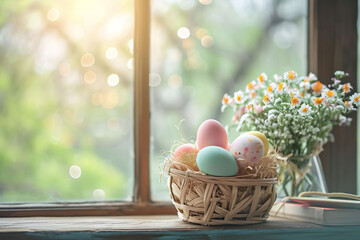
315 214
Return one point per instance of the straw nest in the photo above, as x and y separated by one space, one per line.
243 199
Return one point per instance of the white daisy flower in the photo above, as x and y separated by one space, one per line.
262 78
355 99
249 107
250 86
226 100
346 88
305 109
305 84
295 101
311 77
271 88
280 87
239 97
328 94
267 98
290 75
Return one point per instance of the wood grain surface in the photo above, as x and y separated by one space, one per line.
162 227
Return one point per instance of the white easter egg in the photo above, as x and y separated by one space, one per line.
247 147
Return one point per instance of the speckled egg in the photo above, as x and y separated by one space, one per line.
211 133
186 154
248 148
216 161
263 138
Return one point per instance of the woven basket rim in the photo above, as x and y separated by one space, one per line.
214 179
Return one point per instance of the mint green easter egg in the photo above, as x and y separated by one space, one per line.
216 161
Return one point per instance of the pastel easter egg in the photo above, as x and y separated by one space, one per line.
216 161
247 147
211 133
263 138
186 154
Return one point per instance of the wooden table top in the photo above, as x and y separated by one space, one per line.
163 227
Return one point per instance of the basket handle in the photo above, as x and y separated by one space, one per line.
334 194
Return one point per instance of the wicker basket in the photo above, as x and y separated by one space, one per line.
209 200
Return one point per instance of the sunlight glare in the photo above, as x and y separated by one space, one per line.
154 79
99 195
111 53
75 171
87 60
130 63
183 33
113 80
90 77
53 14
207 41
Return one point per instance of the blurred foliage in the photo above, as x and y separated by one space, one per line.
52 119
49 118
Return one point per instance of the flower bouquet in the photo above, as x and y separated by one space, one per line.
297 114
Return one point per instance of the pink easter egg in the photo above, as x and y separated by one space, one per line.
185 148
186 154
211 133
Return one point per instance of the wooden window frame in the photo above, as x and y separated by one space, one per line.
141 204
332 45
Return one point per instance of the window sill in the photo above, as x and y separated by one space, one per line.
154 227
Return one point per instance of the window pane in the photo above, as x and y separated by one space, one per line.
203 49
66 85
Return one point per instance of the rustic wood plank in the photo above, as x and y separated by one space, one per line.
162 227
137 223
84 209
333 46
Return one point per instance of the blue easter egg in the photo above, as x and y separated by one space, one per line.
216 161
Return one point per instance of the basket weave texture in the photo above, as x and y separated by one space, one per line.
209 200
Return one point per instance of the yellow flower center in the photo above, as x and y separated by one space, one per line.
225 100
266 98
261 78
291 74
270 89
346 88
294 101
318 101
238 98
356 99
252 94
301 94
304 110
281 86
249 106
250 86
330 93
